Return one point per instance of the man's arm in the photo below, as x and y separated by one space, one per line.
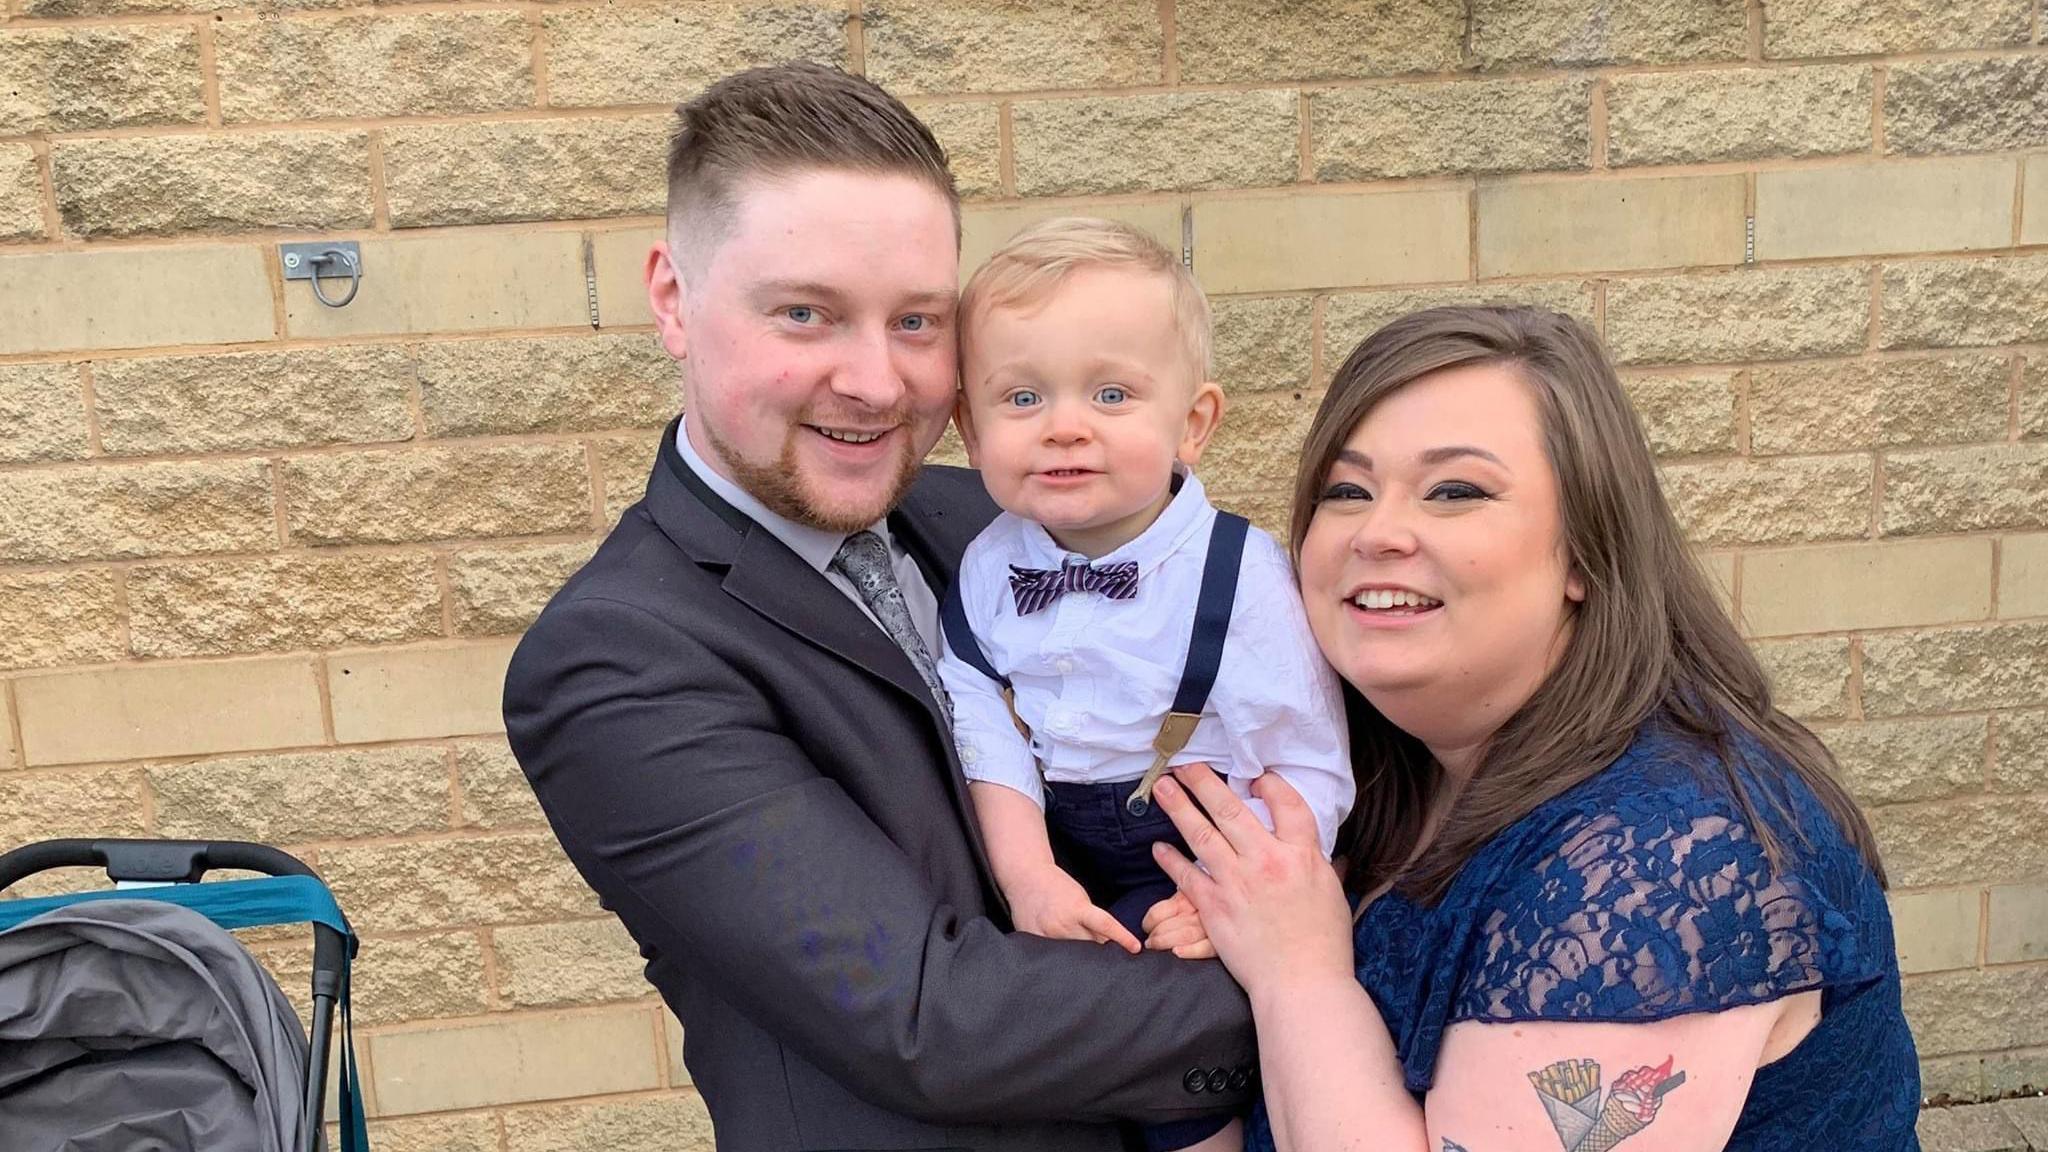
670 781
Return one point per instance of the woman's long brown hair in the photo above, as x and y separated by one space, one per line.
1650 636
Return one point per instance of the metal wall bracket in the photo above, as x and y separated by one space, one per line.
333 259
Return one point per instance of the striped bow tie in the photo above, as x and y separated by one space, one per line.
1037 587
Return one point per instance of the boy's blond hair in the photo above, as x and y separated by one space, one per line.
1035 262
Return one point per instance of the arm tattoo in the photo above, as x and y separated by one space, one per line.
1570 1091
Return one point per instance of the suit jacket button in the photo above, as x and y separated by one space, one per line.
1218 1080
1240 1078
1196 1081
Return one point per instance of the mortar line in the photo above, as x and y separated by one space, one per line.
1597 125
46 173
856 38
1006 150
380 191
538 45
209 73
89 396
1169 43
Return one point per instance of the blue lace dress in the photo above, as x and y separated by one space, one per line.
1642 894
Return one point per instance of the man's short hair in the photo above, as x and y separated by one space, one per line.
1037 260
783 119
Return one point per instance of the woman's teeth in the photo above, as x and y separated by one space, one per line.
1388 598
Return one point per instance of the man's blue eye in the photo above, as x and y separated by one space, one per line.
802 314
1112 394
1024 398
916 323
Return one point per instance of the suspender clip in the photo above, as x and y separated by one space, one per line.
1174 732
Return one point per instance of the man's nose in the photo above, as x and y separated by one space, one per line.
867 373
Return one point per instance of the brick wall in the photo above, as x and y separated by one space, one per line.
262 562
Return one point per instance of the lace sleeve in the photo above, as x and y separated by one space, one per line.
1661 905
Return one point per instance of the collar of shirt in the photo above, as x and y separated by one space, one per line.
1187 513
816 546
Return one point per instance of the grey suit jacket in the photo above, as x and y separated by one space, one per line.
753 778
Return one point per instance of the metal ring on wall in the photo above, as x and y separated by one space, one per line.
355 276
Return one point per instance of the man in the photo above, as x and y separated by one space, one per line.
730 717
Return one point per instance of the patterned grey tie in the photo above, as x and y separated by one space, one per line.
864 559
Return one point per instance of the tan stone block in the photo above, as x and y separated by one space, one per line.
568 964
1775 313
1262 343
53 618
960 46
288 797
678 1123
1737 114
1597 225
558 384
621 258
467 1132
1258 447
623 464
1348 318
456 883
985 229
2019 924
2030 1116
2034 398
133 298
1888 584
1962 841
420 978
1935 930
672 1032
952 451
541 1057
1953 1077
668 53
2034 227
62 8
1960 489
142 711
1461 126
254 400
971 134
1221 41
2023 576
497 590
74 79
1720 570
1891 762
1331 240
502 170
1944 303
1872 208
1685 415
48 805
1864 404
389 64
1861 27
1991 105
2012 1073
494 792
2021 764
156 185
1267 509
1155 143
1809 678
42 413
452 282
219 608
418 693
1526 33
1982 1127
21 193
437 493
1954 669
108 513
1783 500
1977 1011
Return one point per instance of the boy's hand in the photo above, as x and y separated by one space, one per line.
1050 903
1174 925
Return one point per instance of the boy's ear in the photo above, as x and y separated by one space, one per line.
963 419
1204 415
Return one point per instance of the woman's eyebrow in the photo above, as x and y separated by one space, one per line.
1454 451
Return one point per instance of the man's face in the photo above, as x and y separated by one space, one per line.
817 340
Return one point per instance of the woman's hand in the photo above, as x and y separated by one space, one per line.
1273 907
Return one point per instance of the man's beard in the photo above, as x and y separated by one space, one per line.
781 486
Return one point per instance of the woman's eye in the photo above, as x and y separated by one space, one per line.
1343 491
1112 394
1023 398
1456 490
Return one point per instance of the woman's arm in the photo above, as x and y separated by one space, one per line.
1332 1078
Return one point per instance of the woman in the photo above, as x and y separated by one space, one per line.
1606 891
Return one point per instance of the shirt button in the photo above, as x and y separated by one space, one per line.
1065 666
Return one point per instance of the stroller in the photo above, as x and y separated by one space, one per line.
130 1019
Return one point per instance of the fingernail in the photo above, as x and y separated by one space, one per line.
1165 786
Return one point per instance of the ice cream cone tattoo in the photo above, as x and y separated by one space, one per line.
1570 1091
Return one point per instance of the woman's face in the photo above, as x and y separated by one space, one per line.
1434 565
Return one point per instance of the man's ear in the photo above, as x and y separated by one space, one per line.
963 419
665 299
1204 415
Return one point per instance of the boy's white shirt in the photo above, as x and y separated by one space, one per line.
1094 677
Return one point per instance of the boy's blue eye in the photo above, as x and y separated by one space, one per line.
1112 394
1023 398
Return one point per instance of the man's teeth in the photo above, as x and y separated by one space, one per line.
851 437
1388 598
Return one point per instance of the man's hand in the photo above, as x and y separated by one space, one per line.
1174 925
1048 902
